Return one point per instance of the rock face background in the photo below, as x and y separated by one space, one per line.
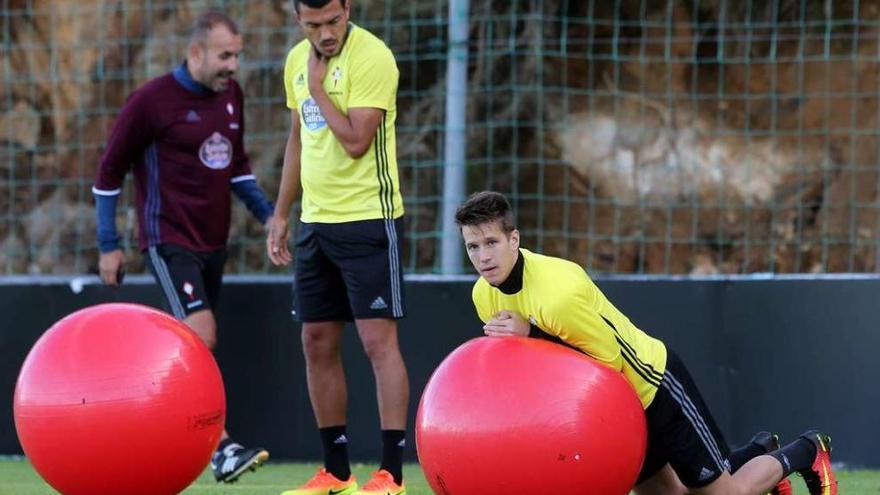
633 137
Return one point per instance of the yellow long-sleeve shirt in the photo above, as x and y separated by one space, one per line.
558 297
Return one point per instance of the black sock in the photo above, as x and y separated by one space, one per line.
739 457
393 442
335 444
796 456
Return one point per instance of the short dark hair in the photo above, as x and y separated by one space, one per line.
315 4
484 207
207 21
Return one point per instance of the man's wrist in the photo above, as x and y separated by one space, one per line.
108 245
280 213
318 92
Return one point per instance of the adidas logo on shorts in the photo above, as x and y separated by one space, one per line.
706 474
378 303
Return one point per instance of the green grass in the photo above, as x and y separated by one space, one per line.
18 478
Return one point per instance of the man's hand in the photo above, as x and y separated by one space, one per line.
110 266
277 236
507 324
317 70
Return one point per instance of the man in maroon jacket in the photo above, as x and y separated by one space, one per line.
181 134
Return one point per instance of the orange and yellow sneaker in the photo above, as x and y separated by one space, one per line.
324 483
382 483
820 477
782 488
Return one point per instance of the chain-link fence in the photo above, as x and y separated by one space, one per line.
632 136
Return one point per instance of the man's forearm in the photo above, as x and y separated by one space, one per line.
290 177
105 208
339 124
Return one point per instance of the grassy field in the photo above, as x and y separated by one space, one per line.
18 478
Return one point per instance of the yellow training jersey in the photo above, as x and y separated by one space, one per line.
336 187
558 297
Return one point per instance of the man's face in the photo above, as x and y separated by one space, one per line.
492 252
325 27
214 60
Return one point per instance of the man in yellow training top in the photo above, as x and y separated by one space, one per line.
520 293
341 86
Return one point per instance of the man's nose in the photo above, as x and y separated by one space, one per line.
485 255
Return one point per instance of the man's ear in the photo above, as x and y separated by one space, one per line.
196 52
514 238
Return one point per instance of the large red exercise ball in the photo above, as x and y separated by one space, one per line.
505 415
119 398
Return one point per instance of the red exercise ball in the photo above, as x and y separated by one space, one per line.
119 398
507 415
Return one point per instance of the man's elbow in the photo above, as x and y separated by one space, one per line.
357 150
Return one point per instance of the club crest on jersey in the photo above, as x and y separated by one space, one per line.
312 117
216 152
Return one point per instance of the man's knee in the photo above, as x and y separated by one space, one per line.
321 340
204 325
379 339
664 482
380 349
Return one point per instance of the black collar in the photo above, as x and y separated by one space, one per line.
514 282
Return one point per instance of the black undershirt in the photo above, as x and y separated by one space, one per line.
514 282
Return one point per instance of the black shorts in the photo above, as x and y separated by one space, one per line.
190 281
681 431
349 270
